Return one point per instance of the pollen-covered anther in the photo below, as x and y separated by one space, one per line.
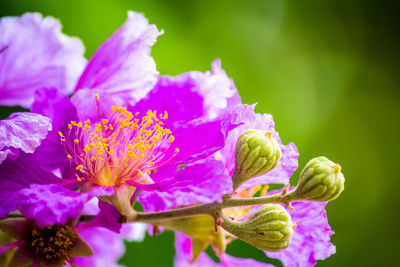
52 242
120 147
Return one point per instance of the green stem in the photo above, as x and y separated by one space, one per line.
208 209
200 209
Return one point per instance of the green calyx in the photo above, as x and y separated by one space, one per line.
201 229
320 180
257 153
120 199
269 228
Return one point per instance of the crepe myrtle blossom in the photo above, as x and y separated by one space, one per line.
287 164
179 141
127 128
48 230
127 151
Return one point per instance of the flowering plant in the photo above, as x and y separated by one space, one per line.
105 134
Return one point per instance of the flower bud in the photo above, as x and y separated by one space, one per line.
257 152
269 228
320 180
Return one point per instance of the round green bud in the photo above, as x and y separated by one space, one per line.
257 153
269 228
320 180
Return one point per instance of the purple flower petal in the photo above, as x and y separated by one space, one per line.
183 247
52 204
311 237
129 231
287 164
200 138
53 104
134 231
209 136
176 95
202 182
19 174
36 54
123 65
108 217
229 261
5 248
191 95
85 102
22 131
108 247
218 90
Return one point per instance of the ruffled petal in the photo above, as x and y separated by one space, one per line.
52 204
35 54
200 138
196 140
18 174
218 91
58 107
287 163
123 65
23 131
191 95
202 182
175 95
311 237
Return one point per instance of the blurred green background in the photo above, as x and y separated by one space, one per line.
328 71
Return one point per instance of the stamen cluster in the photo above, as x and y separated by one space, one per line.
123 147
52 242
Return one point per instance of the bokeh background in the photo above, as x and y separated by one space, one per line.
328 71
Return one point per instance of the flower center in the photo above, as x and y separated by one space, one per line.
120 148
52 242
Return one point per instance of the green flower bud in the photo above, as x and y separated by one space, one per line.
320 180
257 153
269 228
